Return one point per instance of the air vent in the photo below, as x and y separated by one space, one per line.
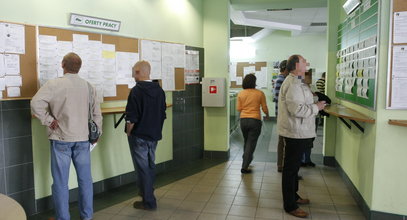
282 9
318 24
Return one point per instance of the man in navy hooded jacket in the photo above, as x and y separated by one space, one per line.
145 115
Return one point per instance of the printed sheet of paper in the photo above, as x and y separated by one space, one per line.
400 61
248 70
2 66
14 38
13 81
239 81
399 93
2 84
261 77
400 27
173 56
151 52
232 71
12 64
124 65
13 92
2 37
191 66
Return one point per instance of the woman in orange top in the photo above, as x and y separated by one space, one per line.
249 101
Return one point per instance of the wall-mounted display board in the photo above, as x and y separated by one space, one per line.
397 70
106 60
357 50
31 55
18 75
237 71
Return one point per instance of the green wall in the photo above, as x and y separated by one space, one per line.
390 176
216 44
374 160
279 45
111 156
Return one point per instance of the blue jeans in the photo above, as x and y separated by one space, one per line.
143 154
61 155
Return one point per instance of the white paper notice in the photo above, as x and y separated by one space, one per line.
124 64
13 80
2 66
399 93
400 27
2 37
12 64
399 61
239 80
232 71
2 84
13 92
15 38
249 70
151 52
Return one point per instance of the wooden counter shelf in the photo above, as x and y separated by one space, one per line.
354 116
402 123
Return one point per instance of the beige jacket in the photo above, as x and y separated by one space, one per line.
66 99
296 109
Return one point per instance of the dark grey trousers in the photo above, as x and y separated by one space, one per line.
251 129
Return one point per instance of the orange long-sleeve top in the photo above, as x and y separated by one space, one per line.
249 102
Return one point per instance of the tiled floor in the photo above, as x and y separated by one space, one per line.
221 192
207 191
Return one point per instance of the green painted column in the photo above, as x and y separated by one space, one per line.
334 7
216 43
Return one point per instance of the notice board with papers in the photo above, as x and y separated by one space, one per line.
18 67
397 66
239 70
357 53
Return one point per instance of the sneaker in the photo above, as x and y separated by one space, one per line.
140 205
299 213
245 171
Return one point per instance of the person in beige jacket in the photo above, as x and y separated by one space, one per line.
296 124
62 105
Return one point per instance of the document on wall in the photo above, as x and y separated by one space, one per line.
239 81
109 89
2 66
13 92
63 48
2 37
400 27
12 64
399 61
232 71
249 70
124 65
399 92
2 84
13 80
14 38
151 52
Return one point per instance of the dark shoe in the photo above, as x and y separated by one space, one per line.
300 177
311 164
245 171
280 169
303 201
140 205
304 164
299 213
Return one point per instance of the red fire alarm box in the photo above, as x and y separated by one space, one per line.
213 89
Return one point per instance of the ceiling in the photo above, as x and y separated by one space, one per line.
297 16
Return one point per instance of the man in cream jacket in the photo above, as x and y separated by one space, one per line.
62 105
296 123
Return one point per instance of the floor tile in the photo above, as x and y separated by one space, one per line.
217 208
183 215
269 213
245 211
192 206
208 216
